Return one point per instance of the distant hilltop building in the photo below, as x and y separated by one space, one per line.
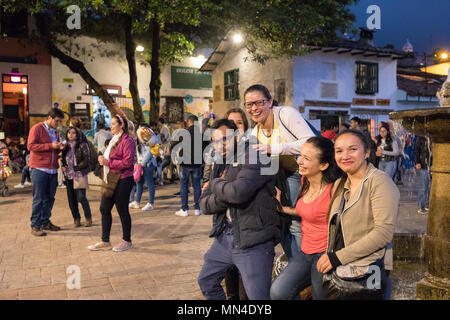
408 47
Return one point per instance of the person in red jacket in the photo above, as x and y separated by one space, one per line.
44 144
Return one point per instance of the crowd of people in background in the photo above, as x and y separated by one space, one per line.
320 178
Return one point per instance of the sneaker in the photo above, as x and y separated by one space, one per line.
161 183
61 186
19 186
182 213
28 184
427 209
77 223
123 246
198 212
51 227
147 207
37 232
134 205
422 211
100 246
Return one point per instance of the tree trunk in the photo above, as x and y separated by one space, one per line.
155 82
74 65
130 48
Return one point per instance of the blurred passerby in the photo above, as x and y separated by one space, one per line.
101 136
422 158
387 151
26 177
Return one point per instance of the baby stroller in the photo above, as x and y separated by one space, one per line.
5 172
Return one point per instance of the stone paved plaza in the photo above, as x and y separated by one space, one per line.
164 264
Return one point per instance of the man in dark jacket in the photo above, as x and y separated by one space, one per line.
246 225
191 164
423 162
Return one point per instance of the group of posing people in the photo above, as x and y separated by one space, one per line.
328 206
332 210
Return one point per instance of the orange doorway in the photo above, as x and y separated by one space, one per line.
15 105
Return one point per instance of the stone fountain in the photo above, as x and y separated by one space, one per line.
435 124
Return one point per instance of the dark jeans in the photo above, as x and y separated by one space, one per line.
44 190
147 177
300 272
255 266
424 188
74 196
234 285
25 174
120 199
185 173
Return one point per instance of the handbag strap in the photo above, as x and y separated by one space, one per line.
338 218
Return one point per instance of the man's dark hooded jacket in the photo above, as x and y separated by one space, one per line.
250 197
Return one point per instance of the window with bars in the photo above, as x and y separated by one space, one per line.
231 85
366 77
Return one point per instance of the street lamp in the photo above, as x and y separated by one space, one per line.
237 38
139 48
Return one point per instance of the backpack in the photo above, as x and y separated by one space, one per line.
93 155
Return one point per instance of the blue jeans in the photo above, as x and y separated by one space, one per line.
388 166
254 264
44 190
185 173
300 272
25 174
292 239
296 238
424 188
147 178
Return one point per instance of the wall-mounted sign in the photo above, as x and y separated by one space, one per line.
383 102
363 102
68 80
190 78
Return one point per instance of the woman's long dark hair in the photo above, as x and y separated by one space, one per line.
388 137
78 137
340 188
326 155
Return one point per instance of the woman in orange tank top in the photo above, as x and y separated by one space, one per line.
319 171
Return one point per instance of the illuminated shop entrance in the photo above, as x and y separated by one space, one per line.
15 104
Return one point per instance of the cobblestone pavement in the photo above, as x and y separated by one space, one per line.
164 264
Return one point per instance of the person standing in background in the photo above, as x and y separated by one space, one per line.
422 158
44 144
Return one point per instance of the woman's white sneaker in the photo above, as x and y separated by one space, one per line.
182 213
147 207
134 205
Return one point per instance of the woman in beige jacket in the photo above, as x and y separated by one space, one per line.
370 207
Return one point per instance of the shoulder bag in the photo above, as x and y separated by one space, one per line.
350 282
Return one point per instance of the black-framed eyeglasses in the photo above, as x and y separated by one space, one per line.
258 103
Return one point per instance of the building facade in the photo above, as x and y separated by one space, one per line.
328 85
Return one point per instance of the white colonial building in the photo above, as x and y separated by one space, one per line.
330 84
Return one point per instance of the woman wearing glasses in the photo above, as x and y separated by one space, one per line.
280 132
